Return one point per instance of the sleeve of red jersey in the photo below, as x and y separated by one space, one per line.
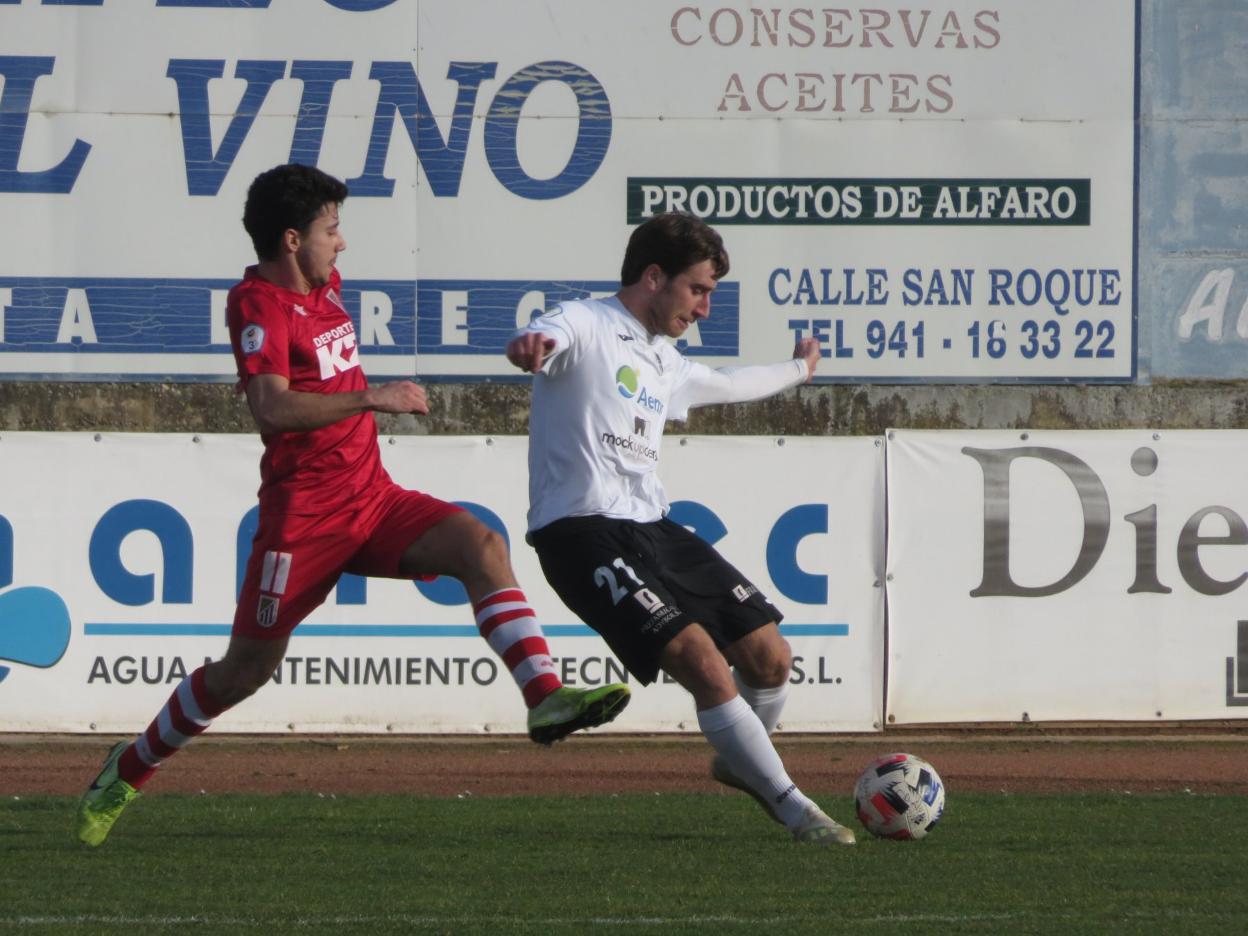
259 335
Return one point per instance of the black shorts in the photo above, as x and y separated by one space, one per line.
641 584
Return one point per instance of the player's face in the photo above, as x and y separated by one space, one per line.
319 247
683 300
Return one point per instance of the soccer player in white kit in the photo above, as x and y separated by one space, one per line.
606 380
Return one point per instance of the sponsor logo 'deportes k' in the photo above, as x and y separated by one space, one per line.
336 350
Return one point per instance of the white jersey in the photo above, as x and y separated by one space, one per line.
600 403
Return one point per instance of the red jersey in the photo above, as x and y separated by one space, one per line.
309 340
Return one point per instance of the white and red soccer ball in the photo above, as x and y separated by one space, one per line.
899 796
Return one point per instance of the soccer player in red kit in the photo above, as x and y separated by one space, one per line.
327 505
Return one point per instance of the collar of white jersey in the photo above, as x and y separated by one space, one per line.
630 321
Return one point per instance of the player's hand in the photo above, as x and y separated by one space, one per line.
529 350
809 350
399 396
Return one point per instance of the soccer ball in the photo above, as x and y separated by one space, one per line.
899 796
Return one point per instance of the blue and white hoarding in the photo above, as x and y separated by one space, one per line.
121 554
942 193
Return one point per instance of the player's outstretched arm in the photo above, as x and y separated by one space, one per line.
277 408
528 350
741 384
810 351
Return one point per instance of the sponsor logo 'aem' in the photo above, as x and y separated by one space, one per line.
629 386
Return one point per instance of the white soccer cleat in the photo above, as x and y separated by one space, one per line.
818 829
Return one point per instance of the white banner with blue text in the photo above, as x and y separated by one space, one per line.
937 192
121 556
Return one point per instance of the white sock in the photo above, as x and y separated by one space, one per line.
767 703
740 739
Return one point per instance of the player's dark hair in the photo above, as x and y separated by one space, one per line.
284 198
675 241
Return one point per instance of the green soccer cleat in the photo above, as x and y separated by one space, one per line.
104 800
818 829
567 710
722 773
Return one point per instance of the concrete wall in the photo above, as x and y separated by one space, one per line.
502 409
1193 202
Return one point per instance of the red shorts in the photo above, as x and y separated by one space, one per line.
296 560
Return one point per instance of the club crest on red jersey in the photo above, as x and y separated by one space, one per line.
266 611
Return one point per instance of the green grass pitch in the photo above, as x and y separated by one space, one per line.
1149 864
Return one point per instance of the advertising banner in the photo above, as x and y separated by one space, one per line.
1039 576
938 193
120 558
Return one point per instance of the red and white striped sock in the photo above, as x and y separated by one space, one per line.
505 619
187 715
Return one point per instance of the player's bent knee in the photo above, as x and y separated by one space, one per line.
763 678
763 659
473 544
768 670
493 546
486 561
